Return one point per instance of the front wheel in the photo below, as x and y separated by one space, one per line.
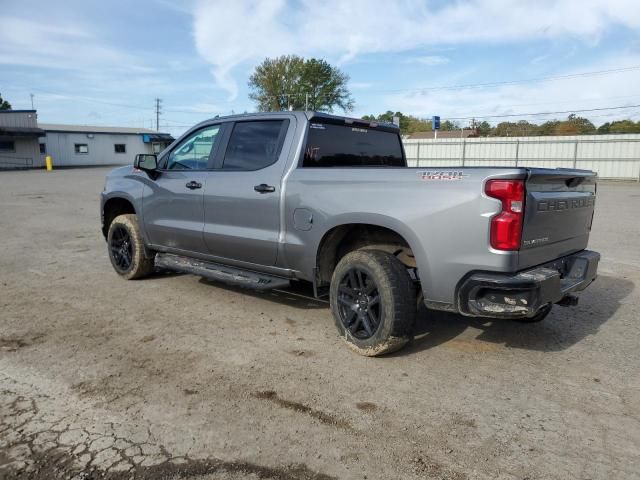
373 301
126 248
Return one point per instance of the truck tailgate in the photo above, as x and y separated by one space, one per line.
559 208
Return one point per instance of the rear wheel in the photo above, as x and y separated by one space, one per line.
373 301
126 248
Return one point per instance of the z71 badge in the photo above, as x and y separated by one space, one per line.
445 175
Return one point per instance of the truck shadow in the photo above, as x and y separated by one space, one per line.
563 328
298 295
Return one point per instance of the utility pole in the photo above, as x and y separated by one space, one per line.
31 95
158 102
306 102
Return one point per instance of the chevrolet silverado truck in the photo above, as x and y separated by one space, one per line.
263 200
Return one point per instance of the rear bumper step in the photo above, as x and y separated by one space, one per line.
222 273
523 294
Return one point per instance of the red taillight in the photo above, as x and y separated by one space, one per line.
506 227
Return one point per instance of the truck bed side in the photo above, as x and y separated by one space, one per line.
445 221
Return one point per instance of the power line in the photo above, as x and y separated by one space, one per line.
573 100
417 89
512 82
88 99
536 114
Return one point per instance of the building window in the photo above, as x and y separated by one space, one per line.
7 146
120 148
82 148
43 148
157 147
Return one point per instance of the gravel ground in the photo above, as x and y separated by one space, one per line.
177 377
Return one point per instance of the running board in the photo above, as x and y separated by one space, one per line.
222 273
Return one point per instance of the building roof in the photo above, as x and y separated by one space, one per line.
57 127
443 134
21 131
17 111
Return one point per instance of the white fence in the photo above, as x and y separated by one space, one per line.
612 156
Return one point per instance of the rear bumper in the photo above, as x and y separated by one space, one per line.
490 294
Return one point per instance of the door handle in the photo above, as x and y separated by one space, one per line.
193 185
264 188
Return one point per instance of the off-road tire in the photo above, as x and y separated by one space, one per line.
140 266
538 317
397 293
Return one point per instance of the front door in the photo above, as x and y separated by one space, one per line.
173 207
242 196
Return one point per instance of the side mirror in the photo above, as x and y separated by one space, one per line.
146 161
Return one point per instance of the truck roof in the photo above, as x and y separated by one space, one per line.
309 115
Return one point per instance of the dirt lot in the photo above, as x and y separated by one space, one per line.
176 377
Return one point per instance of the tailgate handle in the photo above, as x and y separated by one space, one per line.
573 182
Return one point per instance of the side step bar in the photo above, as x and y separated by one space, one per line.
222 273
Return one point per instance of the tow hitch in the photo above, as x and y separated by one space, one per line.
568 301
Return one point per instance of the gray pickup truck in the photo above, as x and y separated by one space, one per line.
263 200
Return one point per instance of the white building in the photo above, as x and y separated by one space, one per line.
82 145
19 134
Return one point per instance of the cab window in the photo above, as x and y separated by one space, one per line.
254 145
193 152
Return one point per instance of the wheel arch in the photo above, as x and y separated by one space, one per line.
114 206
343 238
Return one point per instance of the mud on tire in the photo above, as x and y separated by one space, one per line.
126 248
370 285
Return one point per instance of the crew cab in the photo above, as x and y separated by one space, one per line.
263 200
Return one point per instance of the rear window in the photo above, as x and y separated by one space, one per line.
331 145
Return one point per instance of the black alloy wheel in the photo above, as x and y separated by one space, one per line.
121 248
359 304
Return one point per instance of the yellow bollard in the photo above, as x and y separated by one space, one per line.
49 162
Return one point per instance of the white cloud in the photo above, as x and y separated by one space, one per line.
230 33
63 45
617 89
429 60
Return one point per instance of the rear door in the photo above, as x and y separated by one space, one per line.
559 208
242 195
173 205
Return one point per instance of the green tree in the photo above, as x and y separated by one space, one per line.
484 128
581 125
448 126
506 129
624 126
291 82
4 105
549 127
408 123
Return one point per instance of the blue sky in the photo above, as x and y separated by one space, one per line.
103 63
